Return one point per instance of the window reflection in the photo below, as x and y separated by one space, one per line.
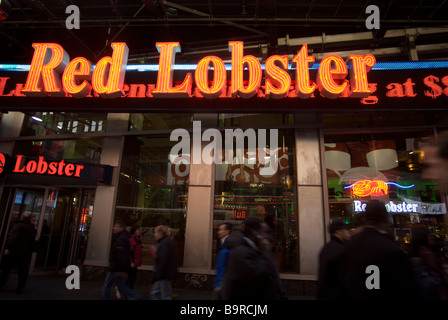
241 191
388 168
152 191
53 123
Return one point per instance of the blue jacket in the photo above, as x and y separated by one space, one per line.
221 261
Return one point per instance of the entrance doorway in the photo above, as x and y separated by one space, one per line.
61 218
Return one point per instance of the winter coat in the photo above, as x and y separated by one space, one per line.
396 277
330 286
21 240
221 262
250 272
165 263
119 258
136 250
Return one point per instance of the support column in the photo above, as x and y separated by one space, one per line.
100 233
310 202
199 225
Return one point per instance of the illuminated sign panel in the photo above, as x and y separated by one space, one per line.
21 164
299 81
52 73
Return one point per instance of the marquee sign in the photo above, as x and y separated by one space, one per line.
21 164
298 82
53 73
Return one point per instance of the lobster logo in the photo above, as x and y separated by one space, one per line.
365 188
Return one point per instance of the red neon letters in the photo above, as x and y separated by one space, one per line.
52 73
43 167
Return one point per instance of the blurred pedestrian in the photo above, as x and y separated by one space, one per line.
428 266
274 246
250 271
119 265
222 253
18 250
374 247
435 162
135 242
165 264
330 285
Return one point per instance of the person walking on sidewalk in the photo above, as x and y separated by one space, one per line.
135 242
165 264
18 251
119 265
224 231
250 271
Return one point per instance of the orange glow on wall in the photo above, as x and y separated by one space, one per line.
303 61
49 60
253 66
365 188
219 77
79 69
108 76
331 68
165 87
359 66
278 80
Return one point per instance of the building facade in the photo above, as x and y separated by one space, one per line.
332 154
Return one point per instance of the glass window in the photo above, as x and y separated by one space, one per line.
243 189
377 119
48 123
152 191
76 149
159 121
386 167
244 120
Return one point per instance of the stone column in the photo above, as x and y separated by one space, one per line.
199 225
100 233
310 199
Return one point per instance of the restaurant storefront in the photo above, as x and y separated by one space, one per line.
340 138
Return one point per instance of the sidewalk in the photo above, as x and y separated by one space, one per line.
52 287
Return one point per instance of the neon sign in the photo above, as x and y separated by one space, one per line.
52 73
41 166
374 188
391 207
365 188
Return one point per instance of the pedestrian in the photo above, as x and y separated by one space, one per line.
250 271
18 250
374 267
119 265
165 264
274 247
224 231
330 285
428 267
435 162
135 242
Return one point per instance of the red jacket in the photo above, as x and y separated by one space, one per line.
136 250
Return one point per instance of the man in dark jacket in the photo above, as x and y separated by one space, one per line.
330 285
250 272
165 265
374 267
119 265
18 251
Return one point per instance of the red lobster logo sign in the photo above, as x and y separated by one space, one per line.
365 188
